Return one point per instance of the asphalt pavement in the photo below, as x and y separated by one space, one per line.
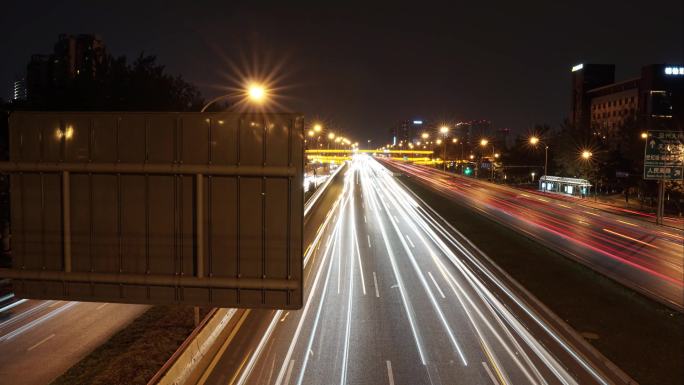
39 340
395 296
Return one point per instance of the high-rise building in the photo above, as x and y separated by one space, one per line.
602 107
406 130
73 57
18 89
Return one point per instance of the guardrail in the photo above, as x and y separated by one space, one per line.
196 352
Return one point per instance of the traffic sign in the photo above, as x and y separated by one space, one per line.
664 155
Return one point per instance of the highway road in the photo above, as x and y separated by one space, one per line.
39 340
637 253
396 296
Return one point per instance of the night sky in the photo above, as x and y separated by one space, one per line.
363 68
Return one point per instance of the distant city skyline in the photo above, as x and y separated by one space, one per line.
364 79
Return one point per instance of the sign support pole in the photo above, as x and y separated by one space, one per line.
661 202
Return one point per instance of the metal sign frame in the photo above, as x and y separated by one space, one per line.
179 208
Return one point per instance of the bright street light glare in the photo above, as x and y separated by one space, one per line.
311 133
534 140
439 141
483 142
586 154
454 140
425 135
331 136
444 129
318 128
644 135
256 93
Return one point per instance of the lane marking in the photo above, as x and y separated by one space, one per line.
285 317
289 372
390 375
364 219
223 348
489 373
627 223
409 241
369 244
630 238
101 306
375 281
436 285
44 340
54 303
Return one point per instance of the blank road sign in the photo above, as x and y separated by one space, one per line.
160 208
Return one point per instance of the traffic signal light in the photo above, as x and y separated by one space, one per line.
468 171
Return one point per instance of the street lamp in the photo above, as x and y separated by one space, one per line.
331 136
644 135
444 130
586 155
483 143
534 141
255 93
425 135
317 127
311 133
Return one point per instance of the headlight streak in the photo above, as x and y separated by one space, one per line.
502 313
281 374
404 213
347 334
479 285
331 248
400 283
425 284
505 289
482 339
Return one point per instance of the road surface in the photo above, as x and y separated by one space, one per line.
39 340
637 253
395 296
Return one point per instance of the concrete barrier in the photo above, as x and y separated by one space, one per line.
194 355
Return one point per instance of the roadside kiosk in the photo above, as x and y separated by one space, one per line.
566 186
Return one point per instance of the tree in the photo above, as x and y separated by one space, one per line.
143 85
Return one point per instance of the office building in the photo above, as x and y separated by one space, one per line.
602 107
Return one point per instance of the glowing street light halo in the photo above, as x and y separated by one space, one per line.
256 92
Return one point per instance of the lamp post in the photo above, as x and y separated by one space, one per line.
586 156
484 143
534 141
444 130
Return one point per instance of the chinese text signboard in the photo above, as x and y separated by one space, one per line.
664 155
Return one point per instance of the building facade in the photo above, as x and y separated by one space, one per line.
73 57
602 107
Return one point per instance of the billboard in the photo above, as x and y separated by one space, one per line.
160 208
